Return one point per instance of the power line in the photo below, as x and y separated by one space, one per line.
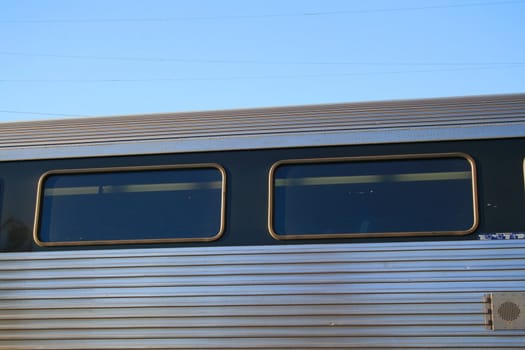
43 113
259 16
233 78
255 62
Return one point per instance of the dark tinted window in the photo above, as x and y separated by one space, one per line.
352 197
1 200
174 204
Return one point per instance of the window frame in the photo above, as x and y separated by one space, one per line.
41 190
424 156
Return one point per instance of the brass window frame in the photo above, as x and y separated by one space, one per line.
424 156
40 195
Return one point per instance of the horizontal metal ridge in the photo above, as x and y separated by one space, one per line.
206 311
261 258
478 103
130 132
266 290
494 266
126 135
130 304
277 343
370 295
384 277
182 128
261 117
80 322
250 332
260 128
464 245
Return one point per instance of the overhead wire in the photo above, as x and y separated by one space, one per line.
258 16
254 62
458 66
42 113
254 77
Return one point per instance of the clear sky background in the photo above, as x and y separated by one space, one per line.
66 58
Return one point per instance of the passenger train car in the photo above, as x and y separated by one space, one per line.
366 225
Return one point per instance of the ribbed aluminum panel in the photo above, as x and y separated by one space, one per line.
374 122
374 296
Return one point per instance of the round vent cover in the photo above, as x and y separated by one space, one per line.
509 311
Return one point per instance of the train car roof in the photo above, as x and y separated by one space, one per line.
456 118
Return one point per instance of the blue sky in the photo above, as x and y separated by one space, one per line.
63 58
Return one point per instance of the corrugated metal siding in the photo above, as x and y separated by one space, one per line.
384 295
237 129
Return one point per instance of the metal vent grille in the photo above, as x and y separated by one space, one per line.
507 310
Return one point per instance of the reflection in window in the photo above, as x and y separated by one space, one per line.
1 201
131 205
352 197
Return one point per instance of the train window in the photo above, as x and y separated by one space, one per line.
131 205
1 200
373 197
